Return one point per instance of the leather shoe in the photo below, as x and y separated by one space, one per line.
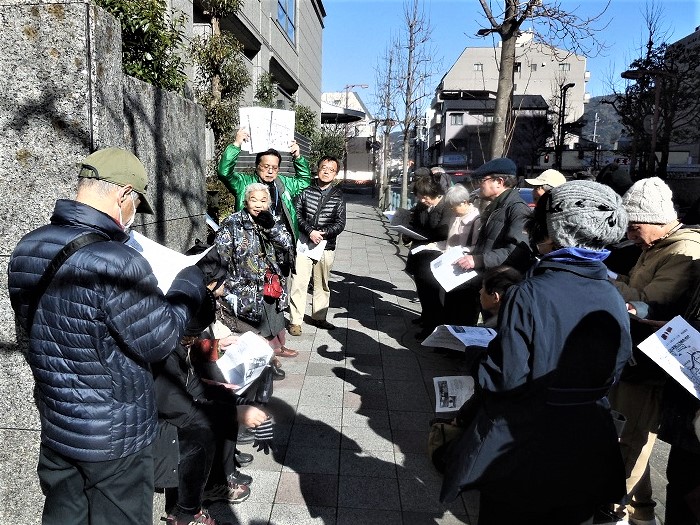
277 373
243 458
238 478
245 436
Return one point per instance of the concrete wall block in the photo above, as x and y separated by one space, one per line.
21 498
166 132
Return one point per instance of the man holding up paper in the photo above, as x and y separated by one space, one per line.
321 212
283 188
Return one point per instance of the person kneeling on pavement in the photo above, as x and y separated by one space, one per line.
204 417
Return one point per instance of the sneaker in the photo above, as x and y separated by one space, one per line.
201 518
323 324
294 329
238 478
232 493
243 458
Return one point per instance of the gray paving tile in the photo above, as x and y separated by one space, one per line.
287 514
420 495
317 460
319 415
367 439
407 420
315 436
308 489
369 517
368 493
365 418
440 518
367 463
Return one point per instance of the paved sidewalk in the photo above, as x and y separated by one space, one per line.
352 414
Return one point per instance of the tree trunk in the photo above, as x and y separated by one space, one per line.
504 93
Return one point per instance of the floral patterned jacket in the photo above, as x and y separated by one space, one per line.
249 250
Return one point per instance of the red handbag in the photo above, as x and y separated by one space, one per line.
272 286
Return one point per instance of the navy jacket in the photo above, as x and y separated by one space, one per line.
543 431
100 323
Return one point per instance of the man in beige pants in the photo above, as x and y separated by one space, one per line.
320 210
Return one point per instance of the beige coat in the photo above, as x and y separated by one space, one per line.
667 273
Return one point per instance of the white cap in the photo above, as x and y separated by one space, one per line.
549 177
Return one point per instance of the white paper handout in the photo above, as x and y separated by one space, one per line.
409 233
267 128
310 249
439 246
166 263
243 363
675 347
447 273
451 392
459 337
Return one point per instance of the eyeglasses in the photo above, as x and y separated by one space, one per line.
484 179
268 167
328 168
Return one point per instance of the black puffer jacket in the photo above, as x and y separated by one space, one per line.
330 219
100 323
503 238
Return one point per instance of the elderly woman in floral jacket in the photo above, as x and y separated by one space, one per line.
251 241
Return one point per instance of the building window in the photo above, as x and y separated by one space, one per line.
533 67
457 119
565 66
478 67
285 16
518 67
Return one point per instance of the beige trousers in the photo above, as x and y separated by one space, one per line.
299 285
641 405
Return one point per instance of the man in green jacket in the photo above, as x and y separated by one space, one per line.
283 188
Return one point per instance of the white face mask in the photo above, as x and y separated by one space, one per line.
127 225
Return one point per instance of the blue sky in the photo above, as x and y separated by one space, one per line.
358 31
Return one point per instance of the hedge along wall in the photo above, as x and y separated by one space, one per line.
63 95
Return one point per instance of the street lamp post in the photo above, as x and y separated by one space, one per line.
656 74
560 128
347 89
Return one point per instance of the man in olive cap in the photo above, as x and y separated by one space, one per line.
94 325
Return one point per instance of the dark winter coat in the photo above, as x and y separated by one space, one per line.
433 224
503 238
100 323
249 250
543 432
330 218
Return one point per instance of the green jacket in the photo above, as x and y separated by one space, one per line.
236 182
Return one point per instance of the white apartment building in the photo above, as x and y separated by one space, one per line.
465 98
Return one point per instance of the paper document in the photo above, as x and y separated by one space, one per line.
675 347
268 128
451 392
243 363
409 233
439 246
310 249
459 337
166 263
449 275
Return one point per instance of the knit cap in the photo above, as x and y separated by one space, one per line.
650 201
585 214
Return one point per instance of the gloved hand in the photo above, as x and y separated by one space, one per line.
213 267
264 219
263 436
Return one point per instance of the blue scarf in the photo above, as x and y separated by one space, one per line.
573 254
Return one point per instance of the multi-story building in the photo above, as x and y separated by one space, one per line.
462 110
280 37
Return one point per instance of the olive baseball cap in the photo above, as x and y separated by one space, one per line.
119 167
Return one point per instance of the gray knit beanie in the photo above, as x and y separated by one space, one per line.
585 214
650 201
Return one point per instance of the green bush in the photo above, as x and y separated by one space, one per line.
152 41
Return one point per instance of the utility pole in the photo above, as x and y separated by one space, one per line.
562 116
595 127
